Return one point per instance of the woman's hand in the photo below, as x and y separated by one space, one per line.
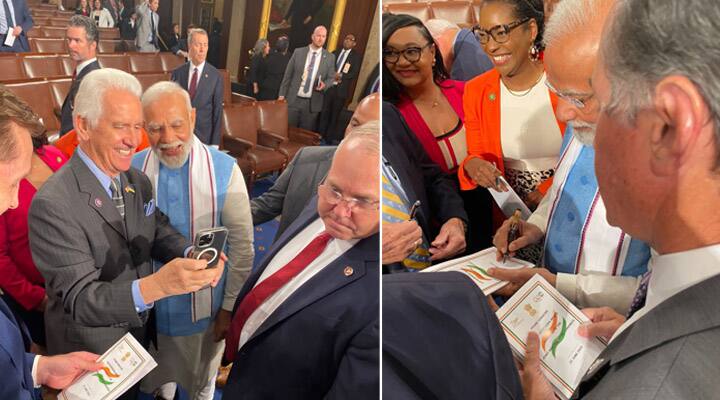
484 174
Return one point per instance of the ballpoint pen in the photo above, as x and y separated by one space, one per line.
513 232
413 209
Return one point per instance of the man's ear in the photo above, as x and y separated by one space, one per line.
682 114
81 128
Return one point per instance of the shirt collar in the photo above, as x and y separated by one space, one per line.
674 272
101 176
84 64
199 67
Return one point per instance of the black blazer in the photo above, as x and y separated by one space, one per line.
353 59
322 343
208 101
66 121
16 380
420 177
272 75
442 341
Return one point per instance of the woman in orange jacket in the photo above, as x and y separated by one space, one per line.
509 112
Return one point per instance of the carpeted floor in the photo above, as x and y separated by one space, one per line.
264 235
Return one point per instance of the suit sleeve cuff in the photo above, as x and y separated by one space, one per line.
34 374
140 304
566 284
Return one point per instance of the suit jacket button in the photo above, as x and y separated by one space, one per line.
348 271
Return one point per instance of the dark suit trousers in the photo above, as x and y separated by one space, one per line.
15 48
333 104
300 116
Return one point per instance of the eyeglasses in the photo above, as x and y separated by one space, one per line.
499 33
412 54
579 103
334 197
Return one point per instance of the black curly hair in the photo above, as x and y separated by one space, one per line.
533 9
392 90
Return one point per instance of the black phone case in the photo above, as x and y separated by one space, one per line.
215 247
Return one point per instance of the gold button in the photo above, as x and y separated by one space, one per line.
348 271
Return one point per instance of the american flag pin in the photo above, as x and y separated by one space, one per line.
348 271
98 203
129 189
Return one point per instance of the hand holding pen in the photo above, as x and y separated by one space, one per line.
513 233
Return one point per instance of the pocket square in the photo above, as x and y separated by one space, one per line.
149 207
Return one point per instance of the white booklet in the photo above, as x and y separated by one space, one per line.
126 362
565 356
475 266
509 201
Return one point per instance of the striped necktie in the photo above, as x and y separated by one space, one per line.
394 209
638 301
117 197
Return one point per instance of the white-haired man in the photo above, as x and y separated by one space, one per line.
657 167
95 229
462 54
590 262
197 187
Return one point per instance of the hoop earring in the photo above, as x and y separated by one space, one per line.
534 53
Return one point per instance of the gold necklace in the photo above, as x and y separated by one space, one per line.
526 92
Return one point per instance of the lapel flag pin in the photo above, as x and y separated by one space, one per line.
492 96
348 271
98 203
129 189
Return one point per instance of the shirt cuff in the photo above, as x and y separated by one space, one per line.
33 374
566 284
140 305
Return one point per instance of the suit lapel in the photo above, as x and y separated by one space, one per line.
98 198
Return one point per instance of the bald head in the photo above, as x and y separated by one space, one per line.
319 36
368 109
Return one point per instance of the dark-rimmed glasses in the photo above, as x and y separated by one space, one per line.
579 103
334 197
499 33
412 54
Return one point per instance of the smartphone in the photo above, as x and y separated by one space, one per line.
209 244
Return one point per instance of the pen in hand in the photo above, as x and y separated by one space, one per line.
513 232
413 209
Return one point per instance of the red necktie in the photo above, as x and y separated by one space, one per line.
193 84
266 288
74 74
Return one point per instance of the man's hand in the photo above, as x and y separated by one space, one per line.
450 241
535 385
320 86
533 198
281 97
60 371
307 19
484 174
42 305
399 240
223 319
17 30
517 278
529 234
604 322
180 276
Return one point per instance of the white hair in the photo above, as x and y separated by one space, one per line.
93 87
572 16
366 135
160 89
438 26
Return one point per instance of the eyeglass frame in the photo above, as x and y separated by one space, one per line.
577 103
353 203
507 27
402 53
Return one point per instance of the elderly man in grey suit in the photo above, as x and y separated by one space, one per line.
657 152
146 39
95 229
309 73
299 181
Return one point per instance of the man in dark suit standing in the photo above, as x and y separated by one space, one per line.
21 370
82 40
300 15
347 66
15 20
205 86
310 72
319 286
95 229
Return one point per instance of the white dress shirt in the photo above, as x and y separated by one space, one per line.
334 249
342 57
199 74
672 273
83 64
304 77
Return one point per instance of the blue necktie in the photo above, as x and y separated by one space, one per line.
339 63
310 68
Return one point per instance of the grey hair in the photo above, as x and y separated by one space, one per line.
367 135
572 16
159 89
92 34
196 31
89 98
648 40
259 46
438 26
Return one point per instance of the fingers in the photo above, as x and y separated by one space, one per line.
86 361
532 352
603 329
509 275
493 306
597 314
